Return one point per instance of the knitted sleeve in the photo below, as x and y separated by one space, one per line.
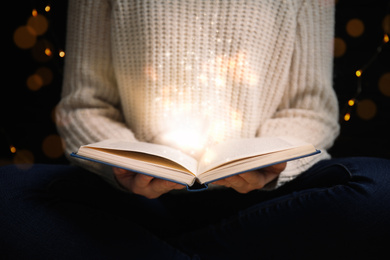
309 109
89 110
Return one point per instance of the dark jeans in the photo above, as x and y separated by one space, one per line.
339 209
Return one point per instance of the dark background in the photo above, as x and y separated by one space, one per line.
27 129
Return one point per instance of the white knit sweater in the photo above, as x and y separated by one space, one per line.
189 73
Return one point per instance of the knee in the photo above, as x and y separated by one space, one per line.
376 169
370 176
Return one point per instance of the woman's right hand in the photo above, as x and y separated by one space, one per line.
144 185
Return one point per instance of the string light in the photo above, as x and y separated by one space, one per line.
12 149
34 12
359 74
347 117
61 53
48 52
47 8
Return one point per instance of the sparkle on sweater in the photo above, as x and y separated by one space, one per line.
187 129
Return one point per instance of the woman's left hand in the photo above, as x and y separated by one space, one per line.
253 180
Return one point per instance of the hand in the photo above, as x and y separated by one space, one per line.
144 185
253 180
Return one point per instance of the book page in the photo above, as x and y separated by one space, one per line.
256 162
243 148
148 149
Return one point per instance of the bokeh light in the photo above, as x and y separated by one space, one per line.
25 37
384 84
386 24
366 109
355 27
52 146
34 82
38 23
42 50
339 47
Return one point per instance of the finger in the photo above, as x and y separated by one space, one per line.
255 179
236 181
222 182
277 168
238 184
270 176
142 180
119 171
162 186
157 187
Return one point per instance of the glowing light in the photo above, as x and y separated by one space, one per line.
34 12
340 47
347 117
187 139
38 23
151 73
208 157
229 68
366 109
52 146
48 52
47 8
12 149
236 119
351 102
217 131
34 82
220 82
25 37
61 54
359 73
42 50
355 27
384 84
386 38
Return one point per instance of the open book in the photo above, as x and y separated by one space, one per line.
217 162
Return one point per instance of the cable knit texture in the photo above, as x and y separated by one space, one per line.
190 73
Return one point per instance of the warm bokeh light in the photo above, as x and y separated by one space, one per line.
12 149
340 47
34 82
355 27
358 73
386 38
38 23
61 53
347 117
48 52
24 37
386 24
351 102
42 50
384 84
52 146
366 109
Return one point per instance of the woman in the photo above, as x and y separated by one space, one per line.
207 71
